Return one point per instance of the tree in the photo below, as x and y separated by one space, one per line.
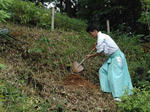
120 13
67 6
145 15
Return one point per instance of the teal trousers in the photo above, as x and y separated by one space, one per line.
114 75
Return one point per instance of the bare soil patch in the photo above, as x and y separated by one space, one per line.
76 80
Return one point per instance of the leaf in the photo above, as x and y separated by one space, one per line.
2 66
148 71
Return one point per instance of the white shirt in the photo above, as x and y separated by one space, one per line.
106 44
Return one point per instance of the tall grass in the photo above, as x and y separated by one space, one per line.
29 14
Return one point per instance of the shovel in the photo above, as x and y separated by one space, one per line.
77 67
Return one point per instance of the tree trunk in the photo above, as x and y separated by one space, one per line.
68 8
61 6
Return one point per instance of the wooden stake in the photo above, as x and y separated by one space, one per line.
52 24
108 27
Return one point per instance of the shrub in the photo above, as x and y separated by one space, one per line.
3 16
5 4
29 13
138 102
4 9
24 12
145 15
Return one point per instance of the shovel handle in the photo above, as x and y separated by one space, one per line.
85 57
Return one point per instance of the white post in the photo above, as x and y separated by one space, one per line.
108 26
52 24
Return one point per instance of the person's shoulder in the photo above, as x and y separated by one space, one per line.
104 35
100 35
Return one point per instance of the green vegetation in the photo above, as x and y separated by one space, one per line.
4 9
136 103
28 13
35 61
137 54
12 100
145 15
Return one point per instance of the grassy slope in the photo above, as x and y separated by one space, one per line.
40 67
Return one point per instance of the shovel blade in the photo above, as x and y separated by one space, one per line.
76 67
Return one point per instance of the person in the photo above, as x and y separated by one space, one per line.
113 75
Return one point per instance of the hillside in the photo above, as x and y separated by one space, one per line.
35 63
38 63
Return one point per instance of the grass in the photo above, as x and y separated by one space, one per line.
38 64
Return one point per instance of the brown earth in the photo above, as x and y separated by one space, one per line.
76 80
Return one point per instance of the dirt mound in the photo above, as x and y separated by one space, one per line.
78 81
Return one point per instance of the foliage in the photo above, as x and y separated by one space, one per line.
4 9
12 100
52 53
138 102
2 66
118 12
145 15
29 13
40 47
5 4
26 12
3 16
63 21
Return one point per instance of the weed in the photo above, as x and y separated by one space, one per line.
138 102
12 100
2 66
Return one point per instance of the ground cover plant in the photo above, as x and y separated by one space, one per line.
35 64
45 57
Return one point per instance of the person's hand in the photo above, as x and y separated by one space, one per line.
88 56
95 45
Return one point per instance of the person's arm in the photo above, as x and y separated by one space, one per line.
92 55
